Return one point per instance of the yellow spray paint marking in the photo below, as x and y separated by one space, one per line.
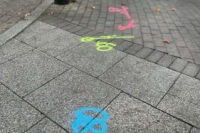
104 46
89 39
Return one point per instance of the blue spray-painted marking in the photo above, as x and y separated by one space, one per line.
82 120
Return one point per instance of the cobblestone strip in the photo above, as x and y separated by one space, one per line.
155 56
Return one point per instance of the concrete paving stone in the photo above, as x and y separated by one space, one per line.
133 49
12 49
28 72
149 45
117 41
147 38
155 56
180 43
138 40
130 115
172 26
161 49
84 20
62 24
46 126
195 23
16 115
176 35
178 23
152 20
178 64
60 44
187 37
196 57
189 27
70 26
182 101
144 52
60 98
182 30
35 29
123 46
164 30
82 31
168 37
146 30
46 38
166 60
172 49
144 23
197 40
144 80
75 29
184 53
195 130
156 34
191 69
88 59
158 42
154 26
55 21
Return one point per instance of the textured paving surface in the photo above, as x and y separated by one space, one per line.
47 73
50 74
180 27
154 51
11 11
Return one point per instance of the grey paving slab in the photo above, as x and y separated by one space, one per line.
12 49
63 42
129 115
28 72
191 69
178 65
88 59
183 99
46 126
34 29
16 115
69 92
142 79
195 130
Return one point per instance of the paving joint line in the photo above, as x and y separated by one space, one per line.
168 90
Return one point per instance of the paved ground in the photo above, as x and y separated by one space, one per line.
182 27
48 74
11 11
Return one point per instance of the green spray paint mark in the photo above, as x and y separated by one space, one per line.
89 39
104 46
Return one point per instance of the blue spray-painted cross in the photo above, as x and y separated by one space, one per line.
88 122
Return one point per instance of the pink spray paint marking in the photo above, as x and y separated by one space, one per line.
122 11
130 25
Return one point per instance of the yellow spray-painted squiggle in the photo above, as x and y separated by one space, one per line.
104 46
88 39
